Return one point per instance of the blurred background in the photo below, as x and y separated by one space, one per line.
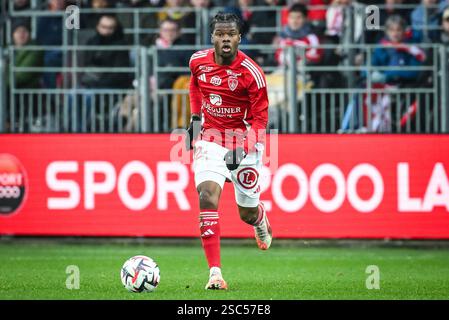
332 66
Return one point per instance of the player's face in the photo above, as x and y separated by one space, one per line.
226 38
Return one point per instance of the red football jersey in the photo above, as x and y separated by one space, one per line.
233 99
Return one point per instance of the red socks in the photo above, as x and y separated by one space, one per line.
210 236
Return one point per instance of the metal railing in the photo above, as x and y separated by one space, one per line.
418 106
304 107
298 102
140 22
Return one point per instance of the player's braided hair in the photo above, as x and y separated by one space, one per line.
223 17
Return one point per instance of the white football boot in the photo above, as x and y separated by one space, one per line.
263 232
216 281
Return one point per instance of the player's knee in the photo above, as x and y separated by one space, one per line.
248 215
208 200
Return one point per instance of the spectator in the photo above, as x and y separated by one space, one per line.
444 37
172 11
392 7
337 22
21 5
169 36
397 52
244 8
101 4
335 18
141 3
317 13
190 21
91 19
50 33
298 32
25 58
425 21
265 19
109 33
391 112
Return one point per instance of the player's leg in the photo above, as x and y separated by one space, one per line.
247 196
210 176
209 196
257 217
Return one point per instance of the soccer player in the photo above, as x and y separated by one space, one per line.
229 107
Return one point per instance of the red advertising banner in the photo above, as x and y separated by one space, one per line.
314 186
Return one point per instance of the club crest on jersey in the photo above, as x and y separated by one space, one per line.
248 177
233 83
215 99
215 80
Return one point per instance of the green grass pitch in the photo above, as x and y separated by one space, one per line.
38 271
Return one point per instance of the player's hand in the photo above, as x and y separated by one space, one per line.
193 130
233 158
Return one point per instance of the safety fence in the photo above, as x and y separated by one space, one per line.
141 24
147 96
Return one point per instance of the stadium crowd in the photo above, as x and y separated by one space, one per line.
307 23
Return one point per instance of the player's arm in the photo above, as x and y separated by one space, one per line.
195 106
258 97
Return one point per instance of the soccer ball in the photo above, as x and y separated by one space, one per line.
140 274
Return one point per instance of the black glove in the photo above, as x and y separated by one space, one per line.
193 130
233 158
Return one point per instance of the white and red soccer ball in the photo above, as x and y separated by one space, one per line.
140 274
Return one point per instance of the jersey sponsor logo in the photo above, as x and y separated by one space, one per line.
221 112
233 83
215 80
233 74
202 77
248 177
215 99
206 68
